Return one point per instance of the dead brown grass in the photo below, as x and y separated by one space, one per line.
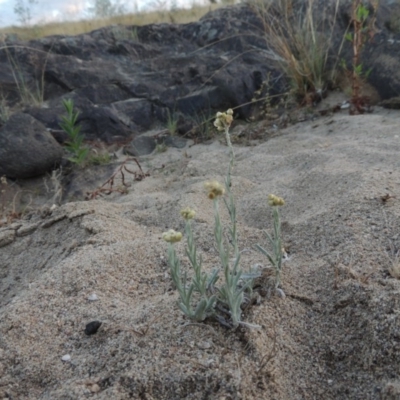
70 28
301 45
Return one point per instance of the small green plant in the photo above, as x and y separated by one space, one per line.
99 158
172 122
362 30
161 148
202 125
75 143
200 298
276 257
201 281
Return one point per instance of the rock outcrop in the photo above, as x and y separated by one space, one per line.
125 80
27 149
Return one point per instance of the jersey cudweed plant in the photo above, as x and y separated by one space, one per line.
202 298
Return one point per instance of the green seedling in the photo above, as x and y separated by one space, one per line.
99 159
172 122
74 144
161 148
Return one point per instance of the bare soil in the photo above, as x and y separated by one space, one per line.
336 334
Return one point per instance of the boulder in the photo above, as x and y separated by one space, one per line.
136 113
130 73
125 79
27 149
141 146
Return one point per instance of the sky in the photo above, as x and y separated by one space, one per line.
62 10
45 10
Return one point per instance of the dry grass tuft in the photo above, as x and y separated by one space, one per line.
301 44
71 28
394 269
10 198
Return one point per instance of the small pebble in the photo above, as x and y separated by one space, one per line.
280 293
95 388
210 362
93 297
66 358
345 105
204 345
92 327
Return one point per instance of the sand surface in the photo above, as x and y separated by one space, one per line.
336 334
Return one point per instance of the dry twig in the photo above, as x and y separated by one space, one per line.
108 186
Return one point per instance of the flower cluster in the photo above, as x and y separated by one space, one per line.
172 236
187 213
275 201
214 189
224 120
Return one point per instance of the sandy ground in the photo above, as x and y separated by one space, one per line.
336 334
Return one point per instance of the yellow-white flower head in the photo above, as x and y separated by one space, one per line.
223 120
274 201
214 189
172 236
187 213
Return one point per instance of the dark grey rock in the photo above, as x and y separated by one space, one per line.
27 149
138 113
141 146
211 97
175 141
103 94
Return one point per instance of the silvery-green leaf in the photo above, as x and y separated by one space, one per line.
250 275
